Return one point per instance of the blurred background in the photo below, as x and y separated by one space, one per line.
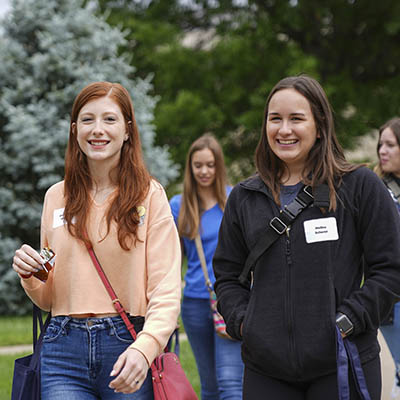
191 66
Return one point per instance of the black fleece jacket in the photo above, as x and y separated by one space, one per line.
289 312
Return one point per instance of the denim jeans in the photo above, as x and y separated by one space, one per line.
391 333
218 360
78 356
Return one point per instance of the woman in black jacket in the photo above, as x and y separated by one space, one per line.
388 169
334 273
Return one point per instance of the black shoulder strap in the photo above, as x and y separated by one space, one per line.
279 225
37 319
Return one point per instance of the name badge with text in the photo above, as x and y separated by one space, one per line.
321 230
58 218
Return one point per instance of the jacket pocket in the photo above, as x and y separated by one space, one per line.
265 338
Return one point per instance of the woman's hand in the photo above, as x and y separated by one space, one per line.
131 368
26 261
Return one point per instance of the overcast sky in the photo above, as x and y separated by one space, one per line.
4 7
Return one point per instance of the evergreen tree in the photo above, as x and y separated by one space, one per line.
49 50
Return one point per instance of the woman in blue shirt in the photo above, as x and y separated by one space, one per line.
199 210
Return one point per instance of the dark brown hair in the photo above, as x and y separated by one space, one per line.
133 177
394 125
326 162
189 215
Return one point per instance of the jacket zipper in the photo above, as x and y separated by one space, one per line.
292 343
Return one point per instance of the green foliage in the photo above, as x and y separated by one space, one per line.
186 118
239 50
358 56
212 71
49 50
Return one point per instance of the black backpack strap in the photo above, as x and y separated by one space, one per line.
277 227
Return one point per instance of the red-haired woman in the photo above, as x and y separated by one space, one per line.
199 210
109 200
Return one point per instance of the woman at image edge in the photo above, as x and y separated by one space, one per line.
107 192
200 209
309 280
389 170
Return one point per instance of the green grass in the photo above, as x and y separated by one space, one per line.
18 330
6 374
15 330
189 365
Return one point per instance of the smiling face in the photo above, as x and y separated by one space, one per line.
101 131
203 167
389 153
290 128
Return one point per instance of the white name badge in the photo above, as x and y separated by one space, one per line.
321 230
58 218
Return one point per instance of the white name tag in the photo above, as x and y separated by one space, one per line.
321 230
58 218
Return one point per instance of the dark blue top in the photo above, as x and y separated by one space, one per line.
288 193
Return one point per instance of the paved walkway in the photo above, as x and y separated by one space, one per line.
386 360
20 348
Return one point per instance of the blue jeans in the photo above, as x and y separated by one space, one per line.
218 360
391 333
78 356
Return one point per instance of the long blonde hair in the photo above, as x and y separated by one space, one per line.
189 215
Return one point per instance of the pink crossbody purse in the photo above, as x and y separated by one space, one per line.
169 379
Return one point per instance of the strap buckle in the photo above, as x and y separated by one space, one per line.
307 189
278 225
294 208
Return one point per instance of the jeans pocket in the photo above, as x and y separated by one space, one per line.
122 334
54 330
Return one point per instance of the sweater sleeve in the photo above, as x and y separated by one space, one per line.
378 225
163 261
41 293
228 263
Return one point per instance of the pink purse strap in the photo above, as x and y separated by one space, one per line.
116 303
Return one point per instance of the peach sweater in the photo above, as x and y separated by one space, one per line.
146 278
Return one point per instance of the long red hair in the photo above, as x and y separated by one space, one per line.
133 178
